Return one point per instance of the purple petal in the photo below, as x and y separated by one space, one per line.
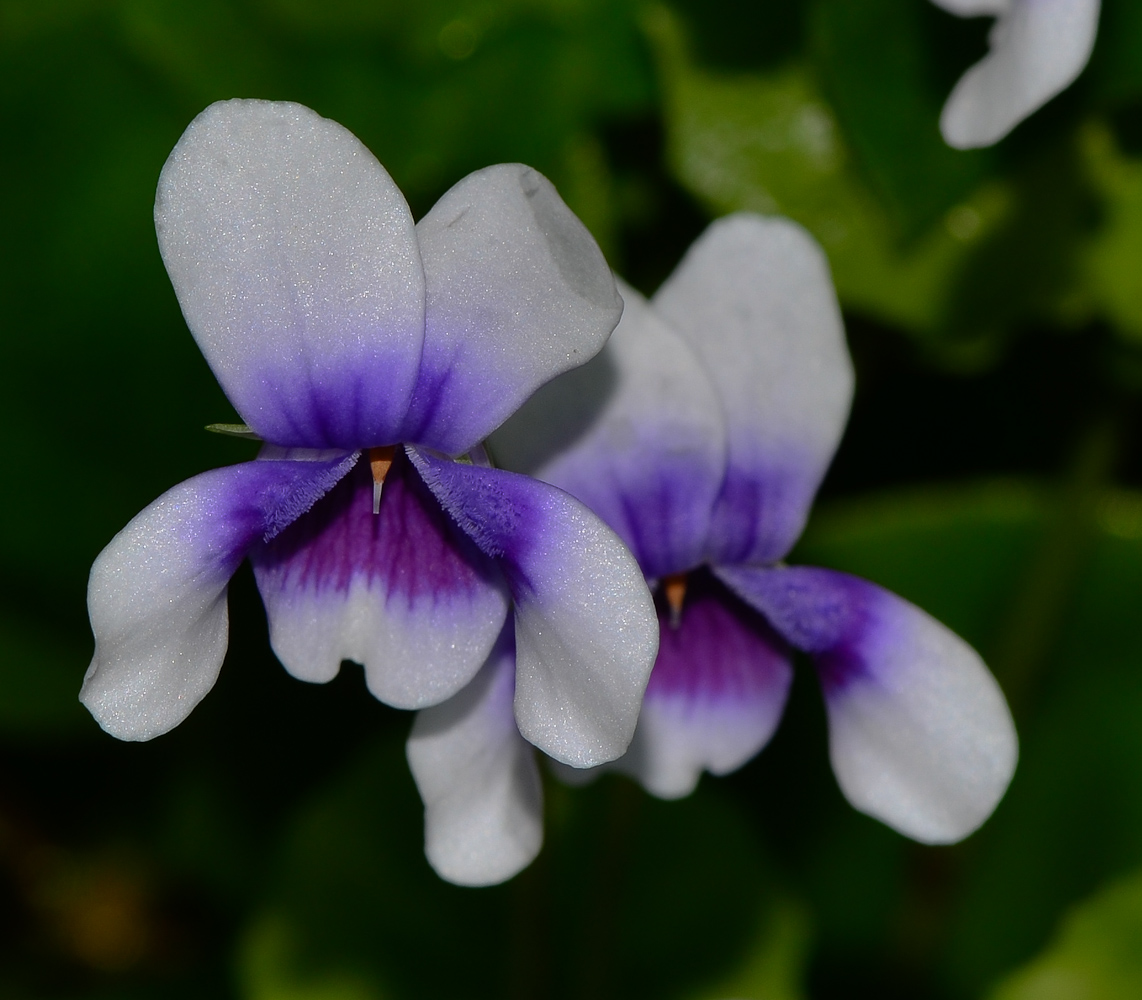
1038 47
754 301
483 802
518 292
716 694
401 592
585 627
296 263
157 594
637 434
919 733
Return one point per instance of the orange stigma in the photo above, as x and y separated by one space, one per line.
674 587
380 461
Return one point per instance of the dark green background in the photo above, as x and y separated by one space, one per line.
269 848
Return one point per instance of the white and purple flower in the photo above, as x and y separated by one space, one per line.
701 434
1038 48
368 351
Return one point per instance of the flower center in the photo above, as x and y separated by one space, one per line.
380 461
674 590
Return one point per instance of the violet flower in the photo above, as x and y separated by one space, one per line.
365 351
701 434
1038 47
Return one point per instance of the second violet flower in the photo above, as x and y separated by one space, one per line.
701 434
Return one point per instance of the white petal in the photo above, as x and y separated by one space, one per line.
637 434
924 741
483 802
518 292
295 261
1038 47
919 733
401 592
157 593
975 8
715 698
586 631
754 300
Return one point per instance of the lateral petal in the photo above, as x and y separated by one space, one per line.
920 735
483 801
754 300
637 434
402 592
715 697
518 292
157 592
586 632
975 8
295 260
1038 48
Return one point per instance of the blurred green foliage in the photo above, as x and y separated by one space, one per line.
1097 952
269 848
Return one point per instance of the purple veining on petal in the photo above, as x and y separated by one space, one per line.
716 695
721 650
329 402
820 611
410 548
636 434
760 512
435 401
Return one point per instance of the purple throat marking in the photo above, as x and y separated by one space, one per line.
720 650
410 548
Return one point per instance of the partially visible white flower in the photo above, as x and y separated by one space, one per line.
1038 48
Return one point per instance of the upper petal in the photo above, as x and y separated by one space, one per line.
586 633
483 802
975 8
919 733
715 697
157 593
1038 47
402 592
754 300
637 434
295 261
518 292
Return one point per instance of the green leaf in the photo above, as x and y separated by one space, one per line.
1073 816
976 540
629 894
774 968
267 970
770 143
873 63
1096 954
1112 258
